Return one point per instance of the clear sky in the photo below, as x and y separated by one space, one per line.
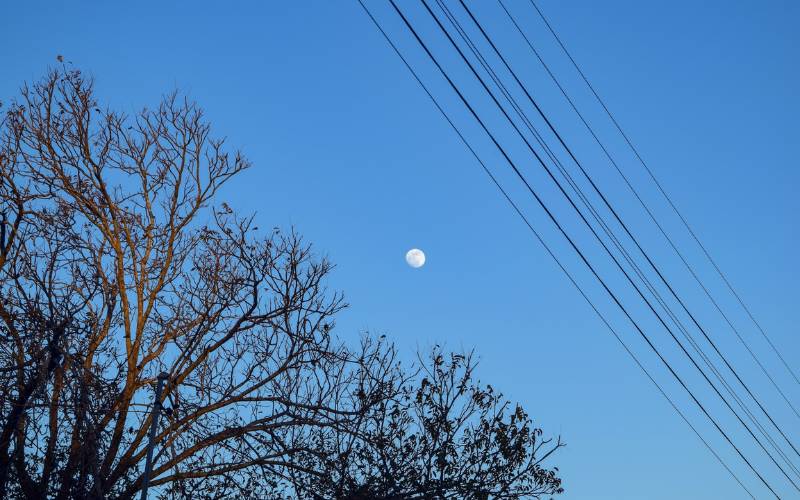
348 149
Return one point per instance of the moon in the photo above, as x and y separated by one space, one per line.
415 258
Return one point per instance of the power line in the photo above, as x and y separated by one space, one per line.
652 217
605 227
666 196
586 222
547 248
638 246
585 260
594 233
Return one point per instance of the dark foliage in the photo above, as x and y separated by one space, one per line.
444 435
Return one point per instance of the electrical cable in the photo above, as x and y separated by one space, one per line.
628 232
547 248
647 209
583 218
462 33
591 268
667 197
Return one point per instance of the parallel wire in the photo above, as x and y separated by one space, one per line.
677 212
588 264
476 52
548 249
652 264
594 233
648 211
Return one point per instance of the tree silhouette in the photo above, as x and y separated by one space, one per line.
115 267
118 270
444 435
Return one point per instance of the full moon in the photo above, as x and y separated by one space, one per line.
415 258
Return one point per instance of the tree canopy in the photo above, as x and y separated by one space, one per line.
118 263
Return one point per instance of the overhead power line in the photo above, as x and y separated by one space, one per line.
589 265
671 203
476 52
550 252
647 209
582 217
688 336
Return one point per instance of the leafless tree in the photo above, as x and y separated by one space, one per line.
117 268
442 435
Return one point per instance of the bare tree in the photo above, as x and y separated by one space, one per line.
442 435
116 268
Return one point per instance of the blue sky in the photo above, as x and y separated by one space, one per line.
348 149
